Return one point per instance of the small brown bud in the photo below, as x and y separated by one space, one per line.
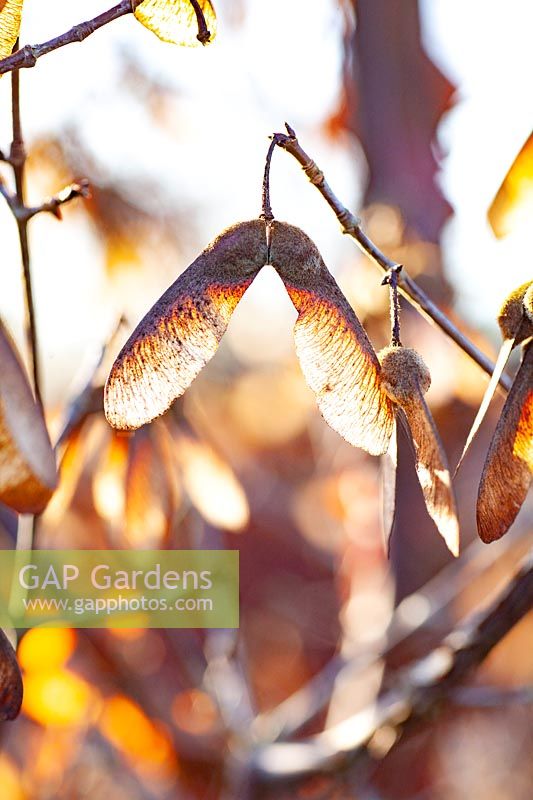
513 314
528 301
404 373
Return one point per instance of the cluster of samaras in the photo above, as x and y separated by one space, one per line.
359 393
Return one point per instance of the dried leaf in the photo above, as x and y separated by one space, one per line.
10 16
508 467
184 22
10 680
336 356
514 198
28 473
516 326
182 331
406 379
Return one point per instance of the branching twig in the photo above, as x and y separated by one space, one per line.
351 225
27 56
424 686
297 711
17 159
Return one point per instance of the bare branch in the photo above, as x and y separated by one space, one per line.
421 689
351 225
28 55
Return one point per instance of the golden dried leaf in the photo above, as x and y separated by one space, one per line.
514 198
10 680
184 22
182 331
28 473
337 359
508 467
516 326
406 378
10 16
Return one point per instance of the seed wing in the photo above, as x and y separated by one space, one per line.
182 331
508 467
432 470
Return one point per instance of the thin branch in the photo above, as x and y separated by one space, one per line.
28 55
351 225
422 689
292 715
53 205
266 208
17 158
391 280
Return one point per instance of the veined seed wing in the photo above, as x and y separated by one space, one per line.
508 467
182 331
336 356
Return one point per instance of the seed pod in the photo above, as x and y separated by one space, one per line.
515 319
182 331
10 680
528 302
406 379
337 359
28 474
508 468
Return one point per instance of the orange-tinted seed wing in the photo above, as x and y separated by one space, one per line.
514 199
336 356
10 680
181 333
508 468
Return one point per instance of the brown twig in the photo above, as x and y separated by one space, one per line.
423 687
266 208
351 225
391 280
17 159
28 55
304 706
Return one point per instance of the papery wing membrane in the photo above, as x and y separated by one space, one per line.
337 359
432 470
508 468
182 331
503 358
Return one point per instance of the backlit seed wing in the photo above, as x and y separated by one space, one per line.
389 466
432 470
508 468
182 331
10 15
179 21
337 359
10 680
28 474
503 358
